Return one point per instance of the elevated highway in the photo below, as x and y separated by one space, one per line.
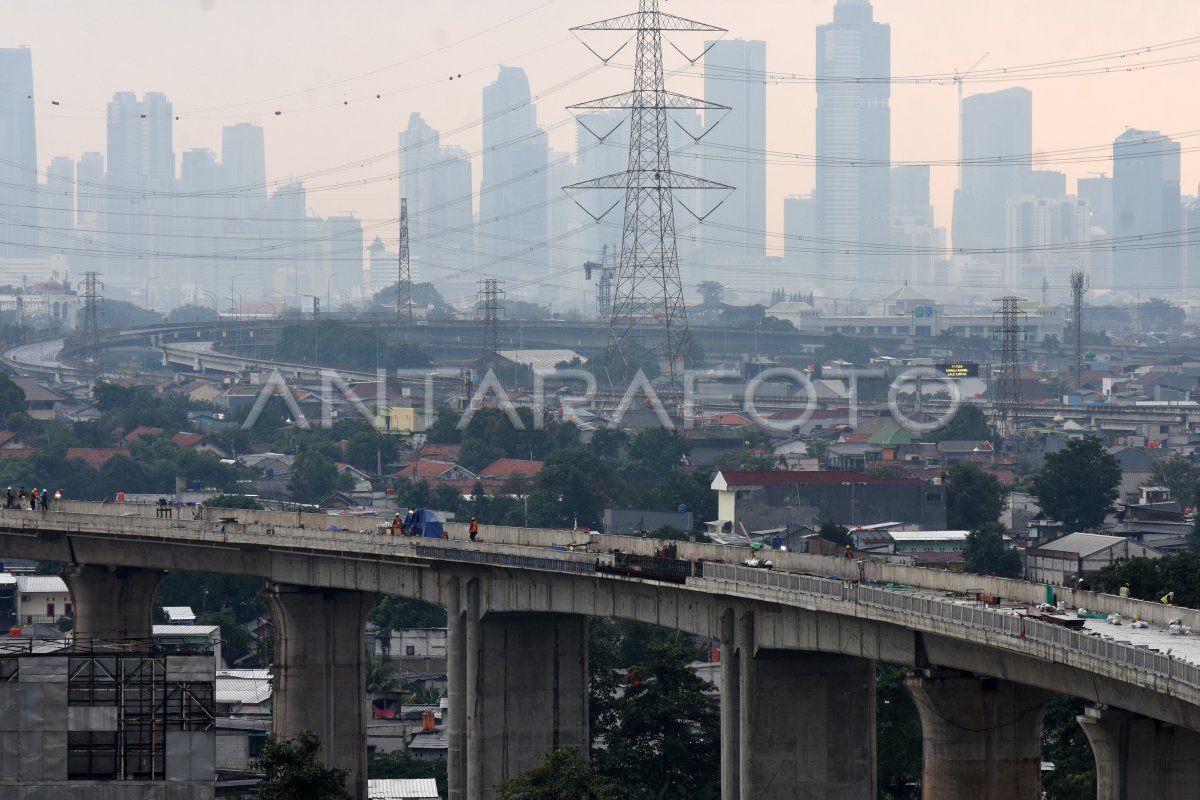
798 646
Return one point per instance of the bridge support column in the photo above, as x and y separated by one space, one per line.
1141 759
982 736
113 602
320 673
517 691
794 725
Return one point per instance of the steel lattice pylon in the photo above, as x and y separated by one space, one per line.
648 311
489 309
404 284
90 327
1079 285
1006 391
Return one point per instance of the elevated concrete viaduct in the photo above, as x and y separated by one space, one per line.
798 652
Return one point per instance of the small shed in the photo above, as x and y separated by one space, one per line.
1077 555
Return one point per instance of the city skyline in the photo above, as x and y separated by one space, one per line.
321 111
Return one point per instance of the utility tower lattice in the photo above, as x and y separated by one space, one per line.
489 310
1079 285
648 311
404 285
90 327
1006 391
604 282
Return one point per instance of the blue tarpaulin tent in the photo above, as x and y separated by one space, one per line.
423 522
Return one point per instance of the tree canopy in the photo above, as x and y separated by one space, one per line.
1077 486
987 553
563 775
973 497
293 772
1179 475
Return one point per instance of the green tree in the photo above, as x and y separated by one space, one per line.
563 775
233 501
573 486
973 496
1077 486
987 553
293 772
967 425
711 292
396 613
659 449
1065 745
667 741
314 476
235 641
897 734
608 443
12 397
1179 475
444 429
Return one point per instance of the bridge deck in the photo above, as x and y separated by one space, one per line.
938 600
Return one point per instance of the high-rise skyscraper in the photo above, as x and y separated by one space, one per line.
345 259
141 160
734 150
854 135
1146 204
243 157
914 236
18 156
436 181
515 188
995 125
58 206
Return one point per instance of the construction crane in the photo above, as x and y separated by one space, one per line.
958 83
604 284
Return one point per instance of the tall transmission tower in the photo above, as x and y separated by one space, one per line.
604 282
1006 390
648 312
90 327
404 284
489 313
1079 285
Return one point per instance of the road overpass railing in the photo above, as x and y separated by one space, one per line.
1008 624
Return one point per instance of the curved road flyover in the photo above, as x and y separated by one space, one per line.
798 651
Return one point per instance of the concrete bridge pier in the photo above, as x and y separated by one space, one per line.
320 672
113 602
794 724
981 736
517 690
1139 758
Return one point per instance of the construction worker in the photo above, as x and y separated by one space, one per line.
1124 590
1168 598
33 499
474 529
397 524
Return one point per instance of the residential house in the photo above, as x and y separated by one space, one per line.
42 599
96 457
508 469
198 442
40 402
888 438
362 481
180 615
140 432
426 469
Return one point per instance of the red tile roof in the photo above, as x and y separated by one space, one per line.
6 437
426 469
185 440
96 456
504 468
140 431
808 477
439 452
18 452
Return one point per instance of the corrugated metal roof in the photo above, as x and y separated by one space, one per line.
928 536
176 613
239 689
41 584
401 788
186 630
1083 544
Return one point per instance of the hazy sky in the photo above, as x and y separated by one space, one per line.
226 61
